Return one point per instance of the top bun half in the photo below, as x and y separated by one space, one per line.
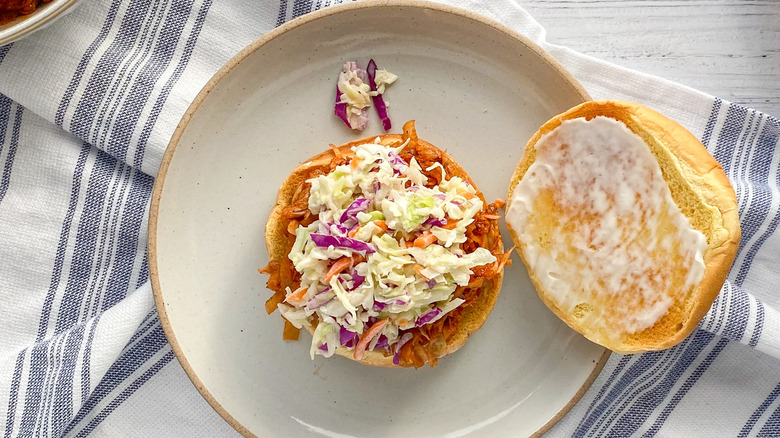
625 319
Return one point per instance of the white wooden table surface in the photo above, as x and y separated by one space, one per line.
727 48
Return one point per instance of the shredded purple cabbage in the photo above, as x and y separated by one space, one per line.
428 317
379 306
440 196
341 242
396 160
358 205
319 299
397 163
342 229
323 347
323 228
361 120
382 343
406 337
347 338
379 101
357 279
431 284
432 221
341 108
315 303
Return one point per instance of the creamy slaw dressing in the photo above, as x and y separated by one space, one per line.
618 221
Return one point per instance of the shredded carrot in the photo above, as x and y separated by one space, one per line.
424 240
297 296
408 243
340 265
335 269
360 348
466 194
290 332
491 216
355 162
418 269
381 224
450 225
499 203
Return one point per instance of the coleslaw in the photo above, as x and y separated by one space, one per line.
384 254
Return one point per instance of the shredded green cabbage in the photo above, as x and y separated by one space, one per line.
395 282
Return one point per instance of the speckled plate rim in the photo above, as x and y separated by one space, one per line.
224 71
25 25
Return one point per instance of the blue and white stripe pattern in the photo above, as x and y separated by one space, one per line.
82 350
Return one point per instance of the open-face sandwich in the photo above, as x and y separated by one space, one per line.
385 250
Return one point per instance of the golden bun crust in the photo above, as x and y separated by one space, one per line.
276 238
699 187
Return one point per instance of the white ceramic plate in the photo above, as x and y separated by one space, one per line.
25 24
475 88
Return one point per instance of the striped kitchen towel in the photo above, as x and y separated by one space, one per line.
87 106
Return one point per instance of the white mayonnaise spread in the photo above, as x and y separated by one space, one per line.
616 237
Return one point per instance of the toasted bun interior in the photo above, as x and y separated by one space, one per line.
626 224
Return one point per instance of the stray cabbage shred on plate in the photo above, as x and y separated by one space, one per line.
356 89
